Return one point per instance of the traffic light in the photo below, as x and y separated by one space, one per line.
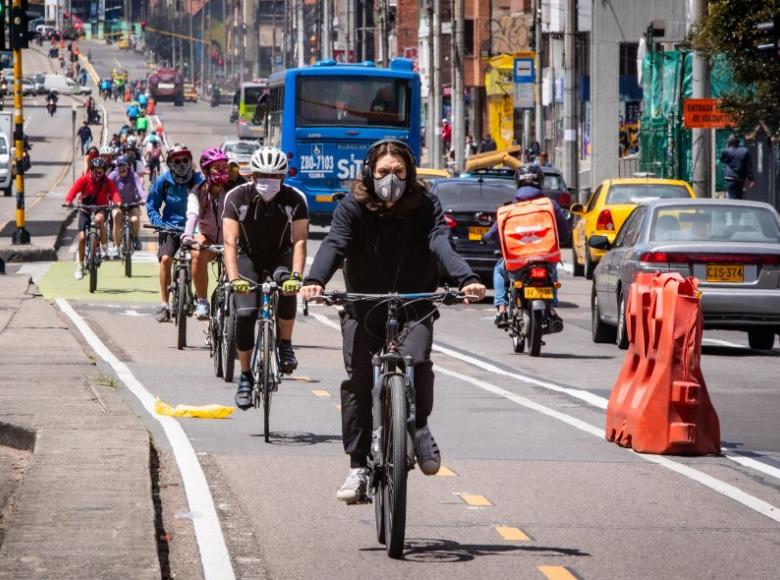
18 27
770 31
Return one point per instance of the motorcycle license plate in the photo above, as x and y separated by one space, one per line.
538 293
725 273
476 232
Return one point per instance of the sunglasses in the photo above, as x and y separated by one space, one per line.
180 162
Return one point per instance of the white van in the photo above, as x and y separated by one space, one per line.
64 86
6 167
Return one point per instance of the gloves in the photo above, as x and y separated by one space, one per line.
240 286
292 284
187 241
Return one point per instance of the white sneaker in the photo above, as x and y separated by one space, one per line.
104 254
117 253
427 451
79 274
355 486
202 310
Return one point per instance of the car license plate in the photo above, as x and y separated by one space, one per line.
165 86
531 293
476 232
725 273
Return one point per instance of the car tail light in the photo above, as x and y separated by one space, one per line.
564 199
654 257
451 222
699 258
604 221
292 172
538 273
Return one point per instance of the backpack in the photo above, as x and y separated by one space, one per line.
528 232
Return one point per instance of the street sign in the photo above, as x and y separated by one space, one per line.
524 75
704 114
524 70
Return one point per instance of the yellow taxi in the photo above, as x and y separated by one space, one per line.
428 173
607 209
119 75
123 43
190 93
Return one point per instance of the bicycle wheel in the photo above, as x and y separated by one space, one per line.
92 261
181 309
127 246
228 342
394 413
215 333
269 351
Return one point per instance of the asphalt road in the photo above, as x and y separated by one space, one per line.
531 488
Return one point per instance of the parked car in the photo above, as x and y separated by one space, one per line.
190 93
123 43
608 207
470 209
240 150
732 247
39 79
64 86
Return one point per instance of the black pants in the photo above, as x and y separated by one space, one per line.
359 346
735 188
246 305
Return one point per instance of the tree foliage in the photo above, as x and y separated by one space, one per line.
729 30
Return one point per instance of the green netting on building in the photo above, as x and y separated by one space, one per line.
665 145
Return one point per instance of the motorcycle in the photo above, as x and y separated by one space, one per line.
531 294
93 117
51 106
215 96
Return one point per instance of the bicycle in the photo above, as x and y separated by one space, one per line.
394 421
126 243
181 300
92 257
220 335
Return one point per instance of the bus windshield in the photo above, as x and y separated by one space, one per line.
353 101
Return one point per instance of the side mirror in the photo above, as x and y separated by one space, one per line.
599 242
577 209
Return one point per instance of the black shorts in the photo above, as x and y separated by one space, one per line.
247 304
168 245
84 218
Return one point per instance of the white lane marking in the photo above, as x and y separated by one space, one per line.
566 267
723 488
594 400
211 544
718 342
132 313
748 461
36 270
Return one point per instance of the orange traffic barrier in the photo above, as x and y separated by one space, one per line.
659 403
150 105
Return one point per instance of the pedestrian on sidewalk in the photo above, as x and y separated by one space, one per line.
739 168
85 135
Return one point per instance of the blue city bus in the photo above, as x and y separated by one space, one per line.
326 116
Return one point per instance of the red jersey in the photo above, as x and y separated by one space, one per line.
94 193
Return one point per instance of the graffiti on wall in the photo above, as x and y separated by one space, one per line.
510 33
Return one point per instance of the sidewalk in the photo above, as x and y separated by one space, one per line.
83 508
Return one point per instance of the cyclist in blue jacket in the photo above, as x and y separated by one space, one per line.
167 207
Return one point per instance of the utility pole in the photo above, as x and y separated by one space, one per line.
435 147
300 29
570 161
701 144
327 30
192 44
430 125
458 105
20 235
538 109
385 35
203 51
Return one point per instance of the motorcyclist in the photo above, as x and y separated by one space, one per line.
51 101
529 180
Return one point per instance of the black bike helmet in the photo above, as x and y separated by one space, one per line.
98 163
529 176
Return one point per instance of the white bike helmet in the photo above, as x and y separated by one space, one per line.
268 160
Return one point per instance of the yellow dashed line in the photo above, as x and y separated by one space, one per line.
512 534
445 471
475 500
321 393
299 379
556 572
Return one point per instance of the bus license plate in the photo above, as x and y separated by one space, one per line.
538 293
725 273
476 232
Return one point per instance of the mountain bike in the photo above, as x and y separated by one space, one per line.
181 299
92 258
394 422
126 243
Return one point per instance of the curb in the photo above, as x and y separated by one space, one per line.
17 437
32 253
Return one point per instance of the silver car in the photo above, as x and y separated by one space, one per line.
731 246
241 152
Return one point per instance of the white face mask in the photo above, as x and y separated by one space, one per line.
268 188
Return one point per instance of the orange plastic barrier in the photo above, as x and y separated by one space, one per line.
659 403
528 232
150 105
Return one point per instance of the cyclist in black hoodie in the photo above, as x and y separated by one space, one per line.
391 232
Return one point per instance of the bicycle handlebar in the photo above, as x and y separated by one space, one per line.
334 298
165 229
85 206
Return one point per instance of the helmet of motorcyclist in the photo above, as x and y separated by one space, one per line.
213 163
179 161
529 176
268 161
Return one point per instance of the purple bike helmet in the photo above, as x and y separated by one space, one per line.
211 155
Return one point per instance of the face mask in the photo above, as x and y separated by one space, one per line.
219 177
390 188
268 188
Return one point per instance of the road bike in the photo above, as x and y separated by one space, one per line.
126 248
92 257
394 422
181 300
221 331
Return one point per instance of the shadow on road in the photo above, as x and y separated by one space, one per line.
447 551
299 438
568 355
712 350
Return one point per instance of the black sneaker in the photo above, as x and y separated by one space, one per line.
163 314
244 393
137 245
502 319
287 360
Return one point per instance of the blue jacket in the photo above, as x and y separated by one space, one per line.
739 165
173 195
527 193
133 111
